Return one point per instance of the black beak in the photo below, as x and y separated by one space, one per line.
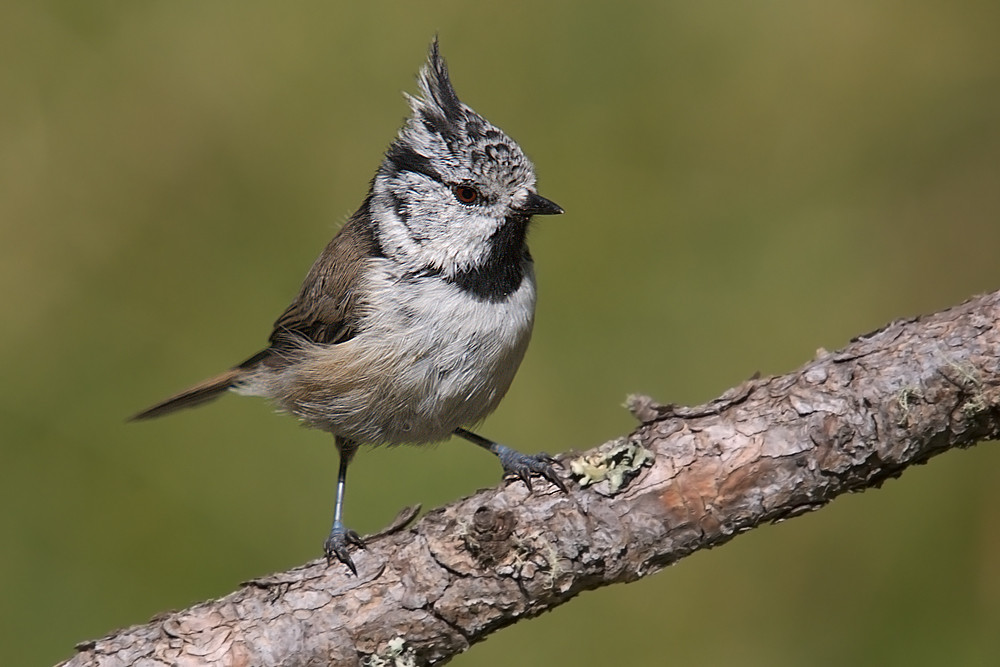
536 204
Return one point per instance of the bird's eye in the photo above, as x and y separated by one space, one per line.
466 194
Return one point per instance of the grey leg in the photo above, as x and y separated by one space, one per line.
340 537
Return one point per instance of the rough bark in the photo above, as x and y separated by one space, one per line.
685 479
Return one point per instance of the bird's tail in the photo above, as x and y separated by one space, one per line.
203 392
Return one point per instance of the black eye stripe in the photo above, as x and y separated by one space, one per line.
402 157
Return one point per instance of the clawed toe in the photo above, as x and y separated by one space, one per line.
336 546
516 464
523 466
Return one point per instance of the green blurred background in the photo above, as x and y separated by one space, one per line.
744 183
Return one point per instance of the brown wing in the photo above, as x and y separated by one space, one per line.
325 311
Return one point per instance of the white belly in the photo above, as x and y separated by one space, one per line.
428 359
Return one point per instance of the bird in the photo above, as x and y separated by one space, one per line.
410 325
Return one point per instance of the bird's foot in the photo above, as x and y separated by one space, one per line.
523 466
336 546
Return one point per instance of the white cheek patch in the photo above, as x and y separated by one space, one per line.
431 229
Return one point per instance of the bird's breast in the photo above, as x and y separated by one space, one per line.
428 358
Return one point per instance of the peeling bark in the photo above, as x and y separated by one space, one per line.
687 478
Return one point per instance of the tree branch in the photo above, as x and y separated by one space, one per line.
685 479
